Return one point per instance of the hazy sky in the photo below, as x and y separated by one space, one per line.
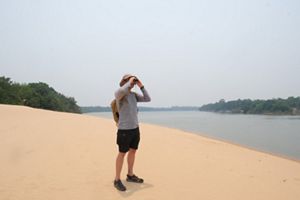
187 52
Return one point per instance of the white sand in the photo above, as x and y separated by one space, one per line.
52 155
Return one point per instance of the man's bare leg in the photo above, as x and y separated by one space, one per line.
130 161
119 165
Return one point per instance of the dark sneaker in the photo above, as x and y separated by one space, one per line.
134 179
119 185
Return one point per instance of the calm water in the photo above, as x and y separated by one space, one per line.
275 134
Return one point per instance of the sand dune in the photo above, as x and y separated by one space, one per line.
52 155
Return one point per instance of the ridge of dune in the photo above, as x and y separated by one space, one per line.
54 155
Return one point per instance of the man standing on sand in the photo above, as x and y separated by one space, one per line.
128 135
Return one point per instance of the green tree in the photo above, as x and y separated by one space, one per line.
37 95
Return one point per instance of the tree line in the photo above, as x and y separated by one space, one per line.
36 95
289 106
89 109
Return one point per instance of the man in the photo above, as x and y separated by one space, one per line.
128 135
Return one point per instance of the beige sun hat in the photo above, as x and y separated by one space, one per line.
125 78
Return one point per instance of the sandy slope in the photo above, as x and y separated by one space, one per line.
51 155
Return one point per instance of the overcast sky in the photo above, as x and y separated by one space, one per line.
189 52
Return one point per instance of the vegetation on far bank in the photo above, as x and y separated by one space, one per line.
36 95
41 95
289 106
88 109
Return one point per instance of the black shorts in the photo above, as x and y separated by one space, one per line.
128 139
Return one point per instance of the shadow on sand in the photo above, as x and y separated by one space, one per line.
134 187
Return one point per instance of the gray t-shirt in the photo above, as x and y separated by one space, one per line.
127 106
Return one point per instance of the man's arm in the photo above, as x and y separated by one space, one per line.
124 90
145 97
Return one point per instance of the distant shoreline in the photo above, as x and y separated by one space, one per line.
279 106
89 109
270 114
153 109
